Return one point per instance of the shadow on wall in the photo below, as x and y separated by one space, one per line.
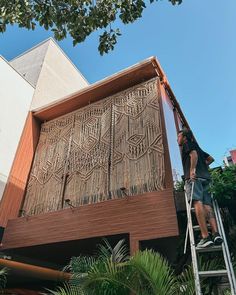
2 187
15 185
59 254
167 247
10 204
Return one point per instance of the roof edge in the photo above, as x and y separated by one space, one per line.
99 83
144 70
3 58
30 49
67 57
57 45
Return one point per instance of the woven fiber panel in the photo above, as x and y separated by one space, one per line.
137 148
88 155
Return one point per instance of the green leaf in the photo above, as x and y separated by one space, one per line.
78 18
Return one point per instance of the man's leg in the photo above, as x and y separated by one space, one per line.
210 217
194 191
201 218
210 214
198 197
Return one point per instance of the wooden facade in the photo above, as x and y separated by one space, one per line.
144 216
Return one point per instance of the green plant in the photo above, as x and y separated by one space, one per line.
107 274
223 185
179 186
100 275
186 281
75 18
151 274
226 292
3 277
113 272
67 289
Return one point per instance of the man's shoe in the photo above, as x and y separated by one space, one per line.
217 239
205 242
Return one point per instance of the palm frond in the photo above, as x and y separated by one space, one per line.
112 273
186 283
66 289
80 264
79 267
151 274
101 275
117 254
226 292
106 277
3 278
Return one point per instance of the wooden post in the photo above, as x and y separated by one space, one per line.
134 245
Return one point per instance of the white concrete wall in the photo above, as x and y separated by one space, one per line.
50 71
29 63
50 75
15 97
58 78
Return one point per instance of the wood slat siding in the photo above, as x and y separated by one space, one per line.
16 184
144 217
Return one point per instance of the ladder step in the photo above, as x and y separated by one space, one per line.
209 249
197 227
213 273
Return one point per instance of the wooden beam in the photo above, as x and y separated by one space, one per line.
148 216
168 169
15 189
35 271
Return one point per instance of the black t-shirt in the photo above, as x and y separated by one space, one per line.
201 168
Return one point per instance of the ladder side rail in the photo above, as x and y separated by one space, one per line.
188 209
192 246
225 248
226 253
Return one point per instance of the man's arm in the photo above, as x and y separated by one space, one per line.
193 163
209 160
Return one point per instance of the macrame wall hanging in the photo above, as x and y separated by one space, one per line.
137 147
86 156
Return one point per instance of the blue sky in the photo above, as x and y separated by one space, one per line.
196 46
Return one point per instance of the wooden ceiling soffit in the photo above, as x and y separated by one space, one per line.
143 71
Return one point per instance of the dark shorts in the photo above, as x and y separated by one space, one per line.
200 190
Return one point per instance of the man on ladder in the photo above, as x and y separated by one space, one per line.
197 180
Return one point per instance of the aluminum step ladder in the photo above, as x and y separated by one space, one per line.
196 252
